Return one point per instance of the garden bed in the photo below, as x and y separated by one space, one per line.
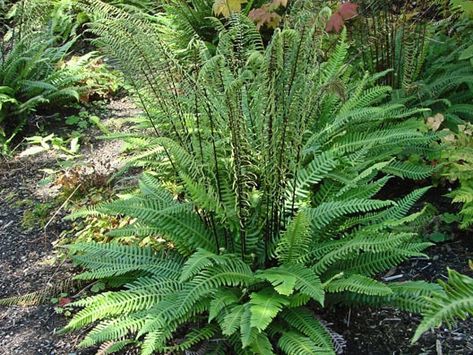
28 261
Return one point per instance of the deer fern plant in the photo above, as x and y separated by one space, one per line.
276 159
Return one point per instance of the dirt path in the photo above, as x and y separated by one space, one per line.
28 260
27 265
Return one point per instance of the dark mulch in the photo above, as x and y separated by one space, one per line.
388 331
29 261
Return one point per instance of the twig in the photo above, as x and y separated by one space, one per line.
61 207
395 277
438 347
84 289
6 225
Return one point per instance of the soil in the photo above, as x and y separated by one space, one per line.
30 262
389 331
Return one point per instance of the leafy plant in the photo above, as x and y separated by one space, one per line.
39 144
279 157
447 77
37 71
30 79
456 161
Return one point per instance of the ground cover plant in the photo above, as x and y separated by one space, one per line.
37 70
268 152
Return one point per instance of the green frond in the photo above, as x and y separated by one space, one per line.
222 299
456 302
113 329
373 263
232 320
152 187
200 260
294 343
194 337
262 345
327 212
358 284
398 211
265 305
248 333
334 65
125 302
310 175
175 222
233 272
287 278
295 240
409 170
368 241
305 322
105 260
408 296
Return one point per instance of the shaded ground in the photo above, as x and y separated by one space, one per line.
28 261
388 331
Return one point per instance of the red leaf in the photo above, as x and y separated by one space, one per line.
64 301
348 10
263 16
335 23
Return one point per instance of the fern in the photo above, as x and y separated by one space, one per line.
456 302
262 176
34 74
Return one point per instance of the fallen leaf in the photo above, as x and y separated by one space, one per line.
434 122
63 301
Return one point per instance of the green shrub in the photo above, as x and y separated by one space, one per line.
276 157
